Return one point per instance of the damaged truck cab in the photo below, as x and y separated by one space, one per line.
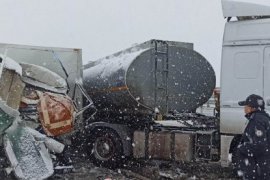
41 98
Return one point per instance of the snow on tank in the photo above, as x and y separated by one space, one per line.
105 67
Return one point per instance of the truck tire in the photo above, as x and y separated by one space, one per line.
105 148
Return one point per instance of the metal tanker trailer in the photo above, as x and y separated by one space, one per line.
155 76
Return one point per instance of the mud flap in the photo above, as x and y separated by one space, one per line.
29 158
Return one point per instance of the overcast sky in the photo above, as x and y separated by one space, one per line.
102 27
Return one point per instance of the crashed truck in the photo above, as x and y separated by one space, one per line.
40 107
147 95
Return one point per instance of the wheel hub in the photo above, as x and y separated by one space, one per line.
104 148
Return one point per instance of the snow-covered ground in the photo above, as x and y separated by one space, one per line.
84 169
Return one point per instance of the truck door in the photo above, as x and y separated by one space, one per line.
266 84
242 75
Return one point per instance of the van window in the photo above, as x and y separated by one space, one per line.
246 65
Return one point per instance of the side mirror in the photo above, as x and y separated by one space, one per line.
267 102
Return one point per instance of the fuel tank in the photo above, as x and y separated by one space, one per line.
155 76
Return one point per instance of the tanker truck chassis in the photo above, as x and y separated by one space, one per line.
184 140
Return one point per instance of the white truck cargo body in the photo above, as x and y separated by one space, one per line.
245 67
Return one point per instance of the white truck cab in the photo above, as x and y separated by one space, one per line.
245 66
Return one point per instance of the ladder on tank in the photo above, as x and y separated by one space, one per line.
161 71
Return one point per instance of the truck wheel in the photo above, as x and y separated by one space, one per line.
106 148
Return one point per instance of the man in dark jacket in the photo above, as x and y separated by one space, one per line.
254 151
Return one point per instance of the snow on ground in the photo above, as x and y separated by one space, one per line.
146 171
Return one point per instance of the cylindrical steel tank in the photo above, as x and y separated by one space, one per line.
159 76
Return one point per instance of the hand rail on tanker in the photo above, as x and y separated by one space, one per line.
164 70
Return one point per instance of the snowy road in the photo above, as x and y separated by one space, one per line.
147 170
